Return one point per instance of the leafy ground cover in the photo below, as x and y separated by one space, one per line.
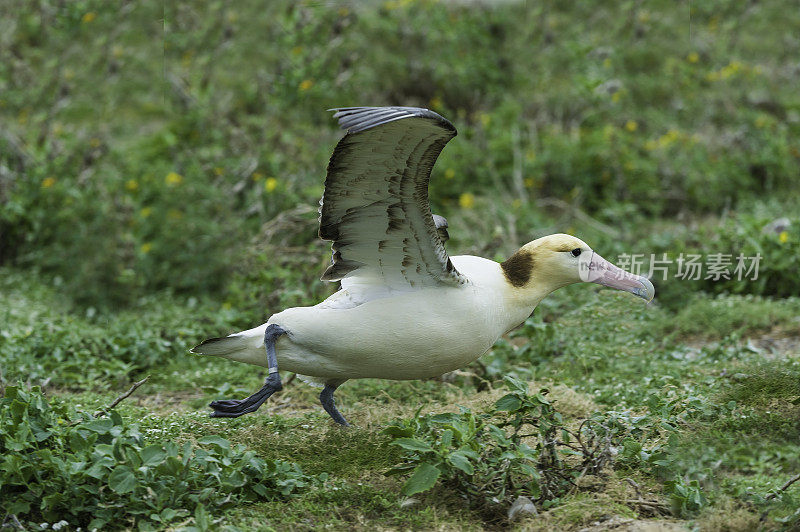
160 164
682 429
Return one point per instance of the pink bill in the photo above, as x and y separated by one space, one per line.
596 269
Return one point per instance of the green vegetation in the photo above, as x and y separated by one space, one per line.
160 166
70 466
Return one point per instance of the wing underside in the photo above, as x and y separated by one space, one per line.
375 206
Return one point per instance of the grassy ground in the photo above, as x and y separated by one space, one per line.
721 409
160 166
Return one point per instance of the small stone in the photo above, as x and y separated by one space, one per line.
522 507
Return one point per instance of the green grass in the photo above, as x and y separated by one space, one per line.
730 409
160 167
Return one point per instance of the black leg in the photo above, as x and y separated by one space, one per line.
326 398
236 407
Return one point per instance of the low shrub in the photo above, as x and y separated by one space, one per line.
517 448
63 465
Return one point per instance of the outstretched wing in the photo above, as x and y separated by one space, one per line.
375 205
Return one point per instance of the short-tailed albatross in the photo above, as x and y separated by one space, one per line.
405 310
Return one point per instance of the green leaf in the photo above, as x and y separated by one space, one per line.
101 426
152 455
412 445
215 440
122 479
447 438
516 385
201 517
444 418
77 442
396 431
423 479
458 460
509 402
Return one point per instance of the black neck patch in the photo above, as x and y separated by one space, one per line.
518 268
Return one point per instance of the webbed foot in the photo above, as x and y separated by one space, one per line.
238 407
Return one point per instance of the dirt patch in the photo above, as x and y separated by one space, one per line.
775 343
624 524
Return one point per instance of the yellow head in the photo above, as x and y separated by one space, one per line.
555 261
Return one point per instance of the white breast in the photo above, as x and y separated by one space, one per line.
411 335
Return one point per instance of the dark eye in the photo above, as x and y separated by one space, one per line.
575 252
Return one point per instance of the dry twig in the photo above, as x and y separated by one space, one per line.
783 488
655 506
119 399
635 486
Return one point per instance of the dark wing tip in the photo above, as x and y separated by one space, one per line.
355 119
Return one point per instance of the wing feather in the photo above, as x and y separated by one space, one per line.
375 206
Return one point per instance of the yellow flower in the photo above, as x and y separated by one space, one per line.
650 145
449 173
435 103
257 176
117 51
529 182
173 179
218 170
485 119
297 50
227 305
343 11
670 137
132 185
762 122
174 214
147 211
516 203
270 184
616 96
88 17
783 237
466 200
631 125
607 62
306 84
146 247
48 182
693 57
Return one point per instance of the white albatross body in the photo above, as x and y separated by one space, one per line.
406 310
410 335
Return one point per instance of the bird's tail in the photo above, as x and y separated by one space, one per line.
246 346
221 346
